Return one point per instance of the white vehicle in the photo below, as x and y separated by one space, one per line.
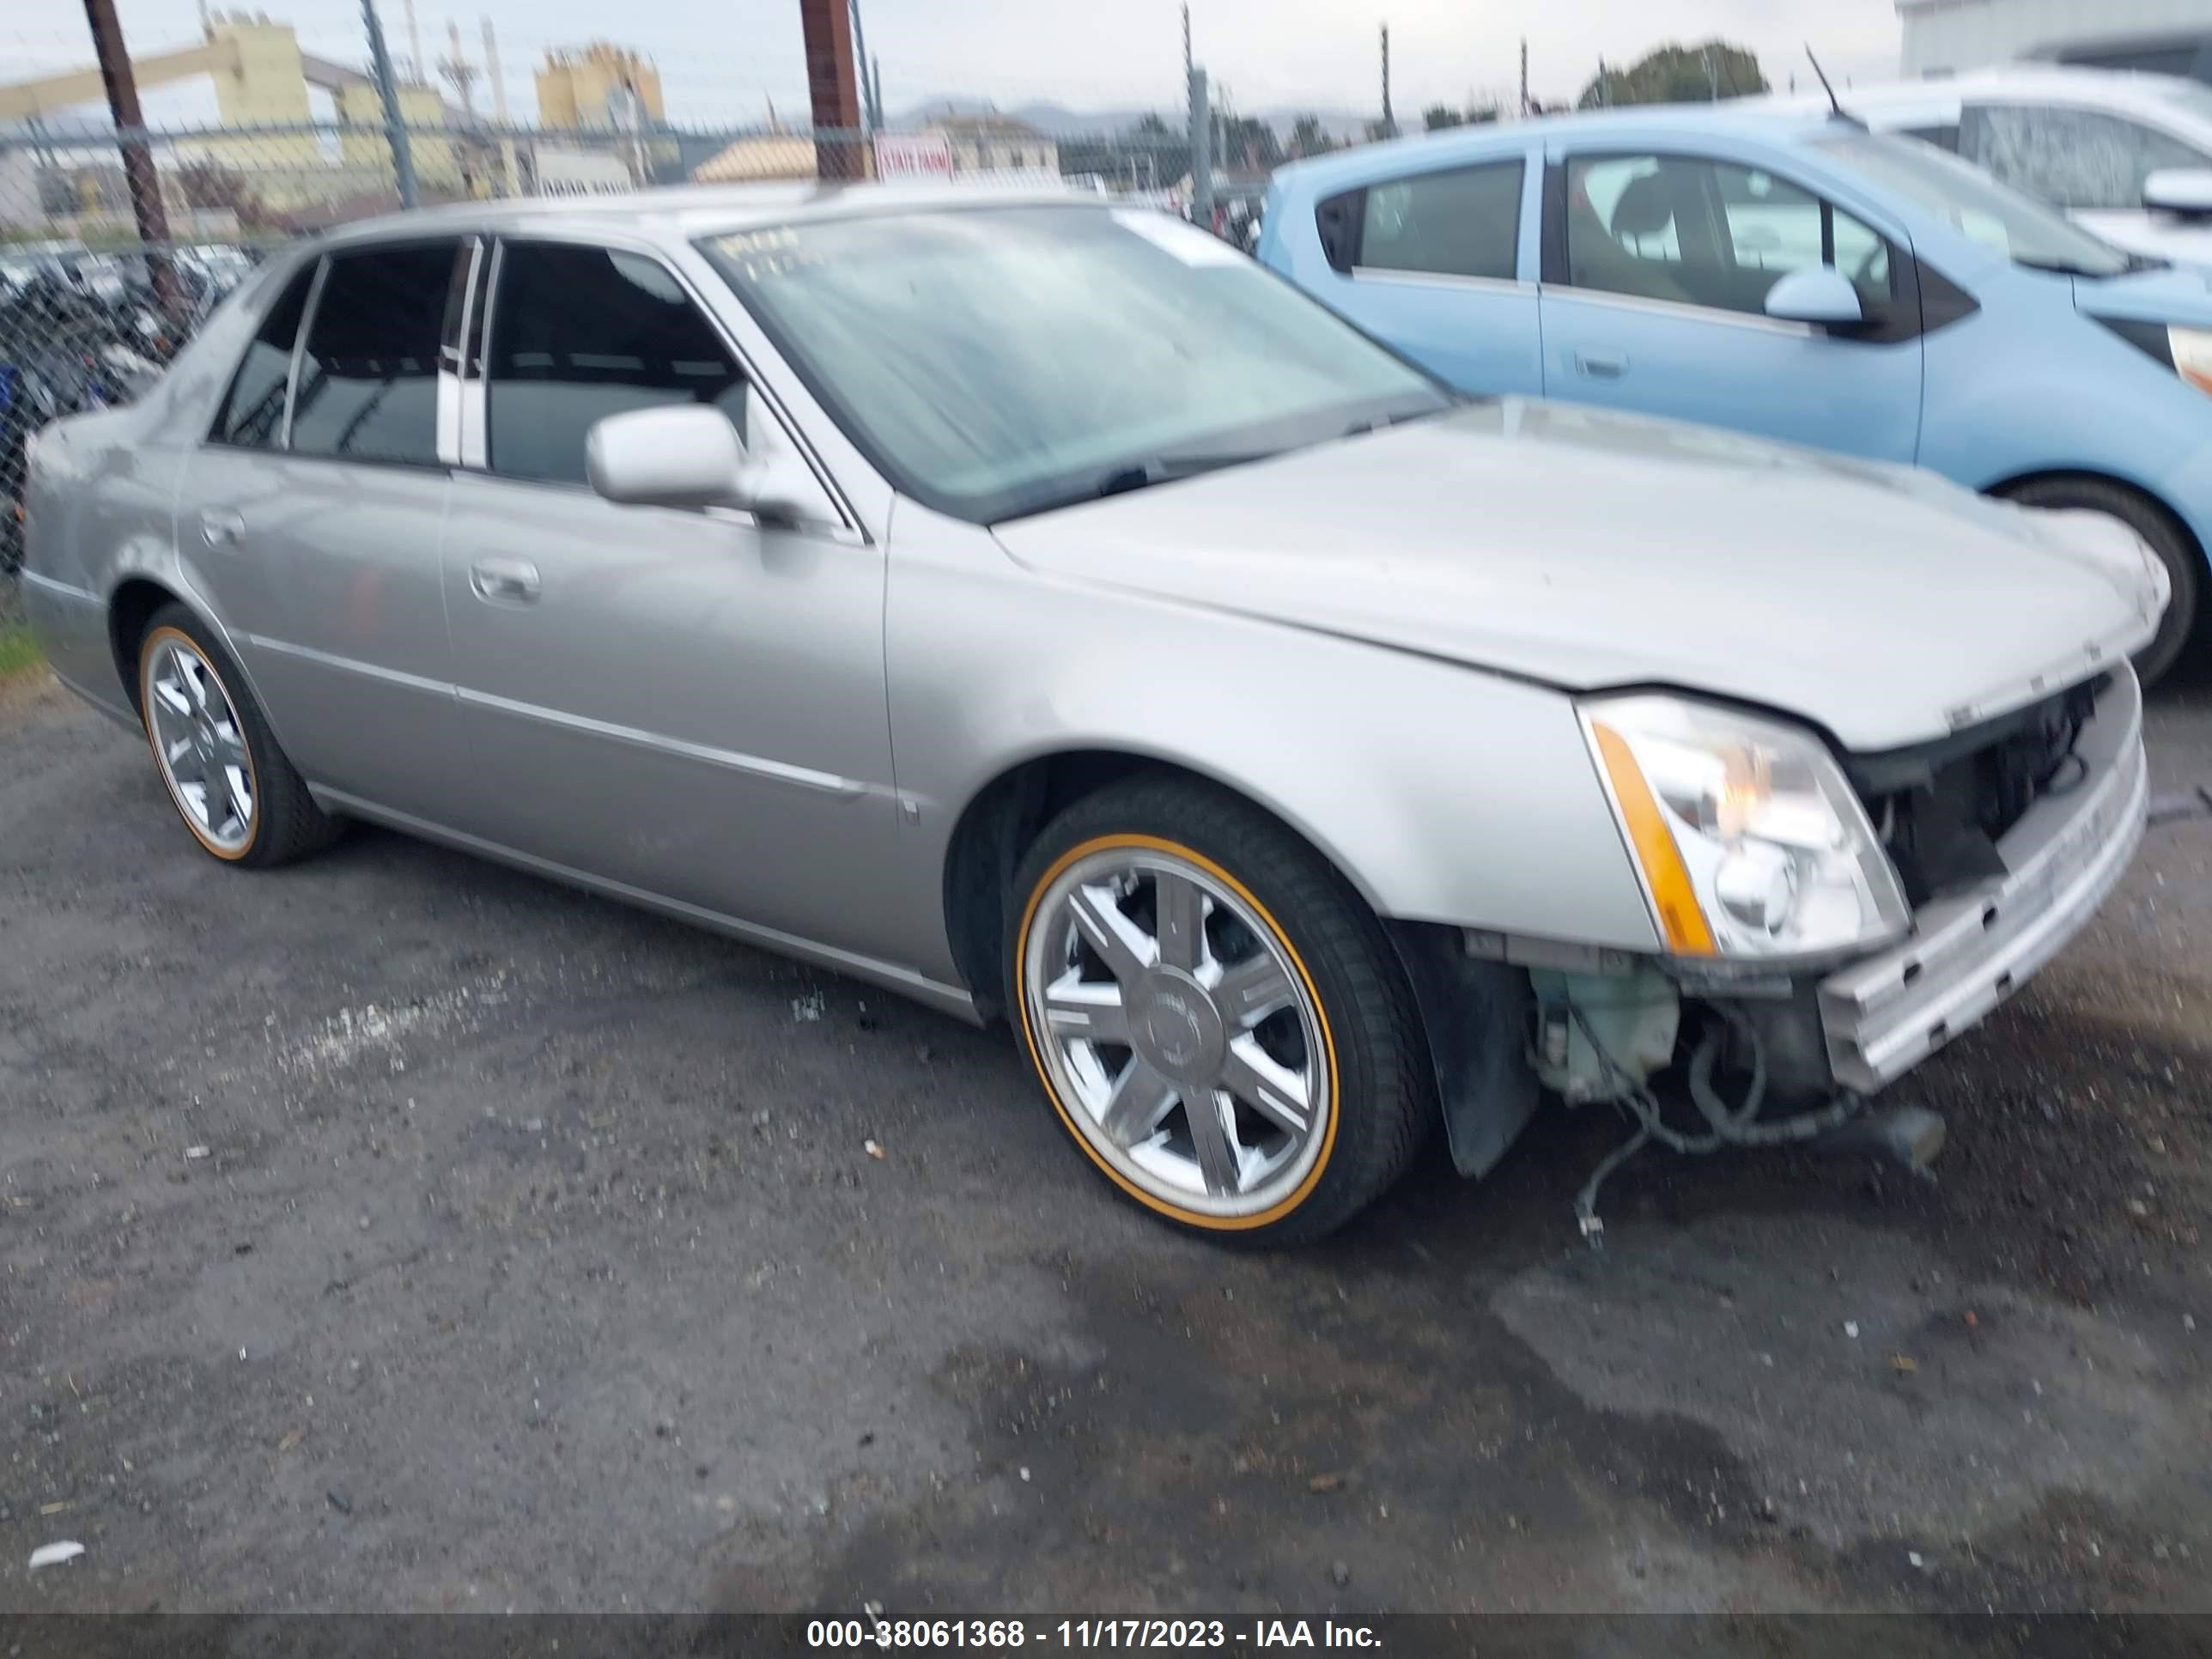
2128 155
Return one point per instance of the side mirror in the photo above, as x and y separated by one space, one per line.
2185 192
687 455
1819 295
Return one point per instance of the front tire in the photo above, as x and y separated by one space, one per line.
1217 1016
237 793
2184 563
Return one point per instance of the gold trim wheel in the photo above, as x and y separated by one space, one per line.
199 743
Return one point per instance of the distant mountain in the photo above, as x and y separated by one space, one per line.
1058 121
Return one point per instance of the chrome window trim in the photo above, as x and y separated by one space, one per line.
450 360
1676 308
474 445
314 302
760 389
1441 279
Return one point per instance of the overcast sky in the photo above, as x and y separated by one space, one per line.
721 59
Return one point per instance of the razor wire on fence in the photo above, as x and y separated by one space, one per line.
91 307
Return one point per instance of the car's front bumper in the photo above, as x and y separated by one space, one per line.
1884 1015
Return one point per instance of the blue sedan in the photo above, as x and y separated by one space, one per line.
1799 278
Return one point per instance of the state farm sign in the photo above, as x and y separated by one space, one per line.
913 157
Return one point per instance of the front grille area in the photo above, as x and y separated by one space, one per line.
1942 807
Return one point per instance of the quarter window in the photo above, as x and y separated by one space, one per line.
2071 158
1463 222
580 333
368 379
253 413
1711 234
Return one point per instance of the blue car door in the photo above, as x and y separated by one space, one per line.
1656 271
1432 261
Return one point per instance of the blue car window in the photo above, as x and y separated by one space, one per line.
1707 233
1463 222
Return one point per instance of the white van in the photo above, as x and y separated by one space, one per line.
2128 155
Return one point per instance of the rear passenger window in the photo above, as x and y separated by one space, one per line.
1464 222
368 379
580 333
252 412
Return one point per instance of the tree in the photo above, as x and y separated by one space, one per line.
1247 142
1150 125
1436 116
1679 75
1310 138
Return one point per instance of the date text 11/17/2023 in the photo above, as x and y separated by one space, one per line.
1084 1633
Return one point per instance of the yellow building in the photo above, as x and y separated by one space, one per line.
262 83
573 85
438 165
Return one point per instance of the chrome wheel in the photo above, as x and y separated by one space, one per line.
1177 1029
199 744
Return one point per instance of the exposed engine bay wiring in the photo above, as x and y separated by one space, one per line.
1738 1126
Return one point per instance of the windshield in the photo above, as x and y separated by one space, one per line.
1000 362
1976 205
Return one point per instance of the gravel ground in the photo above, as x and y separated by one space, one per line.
398 1231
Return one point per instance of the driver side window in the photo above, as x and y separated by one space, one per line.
1712 234
579 333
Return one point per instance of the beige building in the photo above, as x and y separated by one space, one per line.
573 85
997 143
764 156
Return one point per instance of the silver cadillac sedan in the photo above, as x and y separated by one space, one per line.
1034 606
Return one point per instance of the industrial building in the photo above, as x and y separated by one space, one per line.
1945 37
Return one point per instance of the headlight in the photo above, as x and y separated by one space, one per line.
2192 355
1749 841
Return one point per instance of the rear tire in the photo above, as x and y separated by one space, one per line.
1252 977
235 790
2183 564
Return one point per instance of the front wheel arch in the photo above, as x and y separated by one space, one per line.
1002 821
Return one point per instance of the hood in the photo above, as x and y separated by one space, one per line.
1587 550
2173 294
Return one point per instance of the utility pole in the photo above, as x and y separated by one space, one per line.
458 71
833 84
139 176
508 172
876 90
1524 78
871 116
1712 76
395 126
1201 153
1189 109
1389 123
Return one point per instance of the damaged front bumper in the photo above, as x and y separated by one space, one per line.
1883 1016
1603 1027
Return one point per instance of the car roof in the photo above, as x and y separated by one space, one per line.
2137 89
1758 118
686 211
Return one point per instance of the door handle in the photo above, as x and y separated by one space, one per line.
222 529
1602 365
504 582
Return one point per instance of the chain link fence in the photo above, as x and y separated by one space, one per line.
91 309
